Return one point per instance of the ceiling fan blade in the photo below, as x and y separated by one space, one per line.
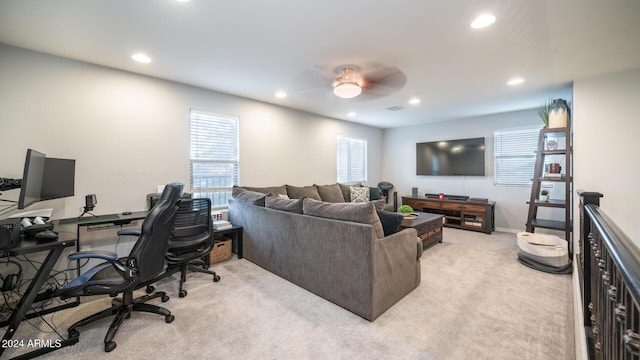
311 80
389 77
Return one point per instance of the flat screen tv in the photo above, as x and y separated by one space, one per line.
461 157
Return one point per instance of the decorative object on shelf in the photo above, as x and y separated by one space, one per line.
558 114
543 112
544 195
441 196
551 144
554 168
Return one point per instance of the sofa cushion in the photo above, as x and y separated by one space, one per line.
288 205
297 192
248 196
269 189
330 193
390 221
364 213
346 191
359 194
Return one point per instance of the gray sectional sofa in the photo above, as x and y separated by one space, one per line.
338 251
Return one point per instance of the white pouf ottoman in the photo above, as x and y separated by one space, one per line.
544 252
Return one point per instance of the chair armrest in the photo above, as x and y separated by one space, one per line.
97 254
128 233
127 272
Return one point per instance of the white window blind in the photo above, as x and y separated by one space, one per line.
351 159
515 156
214 156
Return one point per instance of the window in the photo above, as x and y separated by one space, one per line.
214 156
515 156
352 159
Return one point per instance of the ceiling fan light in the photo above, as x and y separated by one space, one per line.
347 90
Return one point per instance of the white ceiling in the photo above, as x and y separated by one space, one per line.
252 48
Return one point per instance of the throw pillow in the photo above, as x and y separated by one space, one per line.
390 221
247 196
359 194
288 205
296 192
363 213
330 193
375 193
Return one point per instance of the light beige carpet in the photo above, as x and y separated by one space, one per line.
476 301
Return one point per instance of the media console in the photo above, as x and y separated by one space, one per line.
459 211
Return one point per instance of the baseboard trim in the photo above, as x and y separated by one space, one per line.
580 336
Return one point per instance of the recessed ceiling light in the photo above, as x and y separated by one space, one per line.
141 58
352 114
515 81
281 94
483 21
414 101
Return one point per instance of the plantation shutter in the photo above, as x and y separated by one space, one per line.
351 159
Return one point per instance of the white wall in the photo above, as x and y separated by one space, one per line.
129 133
400 163
607 143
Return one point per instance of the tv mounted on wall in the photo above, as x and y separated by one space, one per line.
461 157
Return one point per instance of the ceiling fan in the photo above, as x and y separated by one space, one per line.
352 81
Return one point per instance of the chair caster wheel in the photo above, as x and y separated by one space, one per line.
164 298
182 293
216 278
150 289
169 318
109 346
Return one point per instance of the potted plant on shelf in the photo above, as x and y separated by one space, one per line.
543 112
544 195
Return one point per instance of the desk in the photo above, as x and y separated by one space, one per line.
99 233
236 238
54 250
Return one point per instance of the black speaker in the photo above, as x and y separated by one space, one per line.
11 281
9 233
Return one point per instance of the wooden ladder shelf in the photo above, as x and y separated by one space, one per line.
547 148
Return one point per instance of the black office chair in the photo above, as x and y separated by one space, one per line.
123 276
191 241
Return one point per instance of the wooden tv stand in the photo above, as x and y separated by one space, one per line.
476 215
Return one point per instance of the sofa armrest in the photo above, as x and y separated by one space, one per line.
396 266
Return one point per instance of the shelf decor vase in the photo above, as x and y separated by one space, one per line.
558 114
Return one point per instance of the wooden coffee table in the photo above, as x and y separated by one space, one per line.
428 226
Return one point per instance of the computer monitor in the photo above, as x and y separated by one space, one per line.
45 178
31 178
59 178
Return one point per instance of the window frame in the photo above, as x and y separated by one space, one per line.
351 142
201 153
524 143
